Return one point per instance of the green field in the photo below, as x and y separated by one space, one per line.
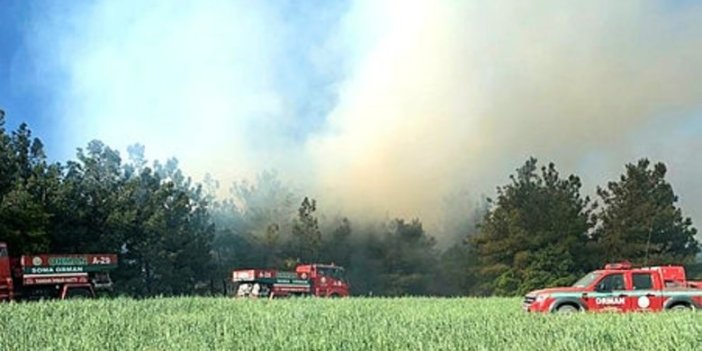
342 324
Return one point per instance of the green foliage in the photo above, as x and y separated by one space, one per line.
306 236
640 221
456 271
175 237
155 219
6 164
332 324
165 230
86 200
536 233
406 258
26 188
253 224
336 247
23 222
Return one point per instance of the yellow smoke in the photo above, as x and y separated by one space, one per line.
451 94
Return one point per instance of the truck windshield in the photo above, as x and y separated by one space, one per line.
333 272
3 251
339 274
587 280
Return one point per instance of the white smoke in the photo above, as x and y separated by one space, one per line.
434 96
452 94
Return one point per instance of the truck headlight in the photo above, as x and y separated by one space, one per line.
541 298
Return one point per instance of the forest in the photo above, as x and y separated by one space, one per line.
175 236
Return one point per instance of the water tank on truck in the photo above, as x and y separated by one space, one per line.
61 276
322 280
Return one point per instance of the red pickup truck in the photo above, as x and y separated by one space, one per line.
621 288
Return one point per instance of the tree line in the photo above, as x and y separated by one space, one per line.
175 237
541 231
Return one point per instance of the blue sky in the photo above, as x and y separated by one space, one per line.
30 86
19 97
383 107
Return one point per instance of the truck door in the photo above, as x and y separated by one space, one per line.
4 264
644 296
324 281
5 274
609 295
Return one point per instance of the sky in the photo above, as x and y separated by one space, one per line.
372 107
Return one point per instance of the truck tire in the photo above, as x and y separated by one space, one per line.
78 294
567 308
265 291
680 307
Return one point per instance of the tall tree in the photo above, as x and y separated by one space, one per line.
336 248
25 190
535 234
406 259
266 201
6 163
457 271
639 220
253 225
88 196
306 240
166 233
23 222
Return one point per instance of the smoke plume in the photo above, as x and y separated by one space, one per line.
386 108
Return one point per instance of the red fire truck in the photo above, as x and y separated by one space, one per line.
622 288
30 277
307 280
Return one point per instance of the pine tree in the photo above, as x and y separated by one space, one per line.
535 233
640 222
306 236
27 185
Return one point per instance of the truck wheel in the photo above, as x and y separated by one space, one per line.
78 294
567 308
264 290
680 307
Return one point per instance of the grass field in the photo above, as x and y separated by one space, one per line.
343 324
